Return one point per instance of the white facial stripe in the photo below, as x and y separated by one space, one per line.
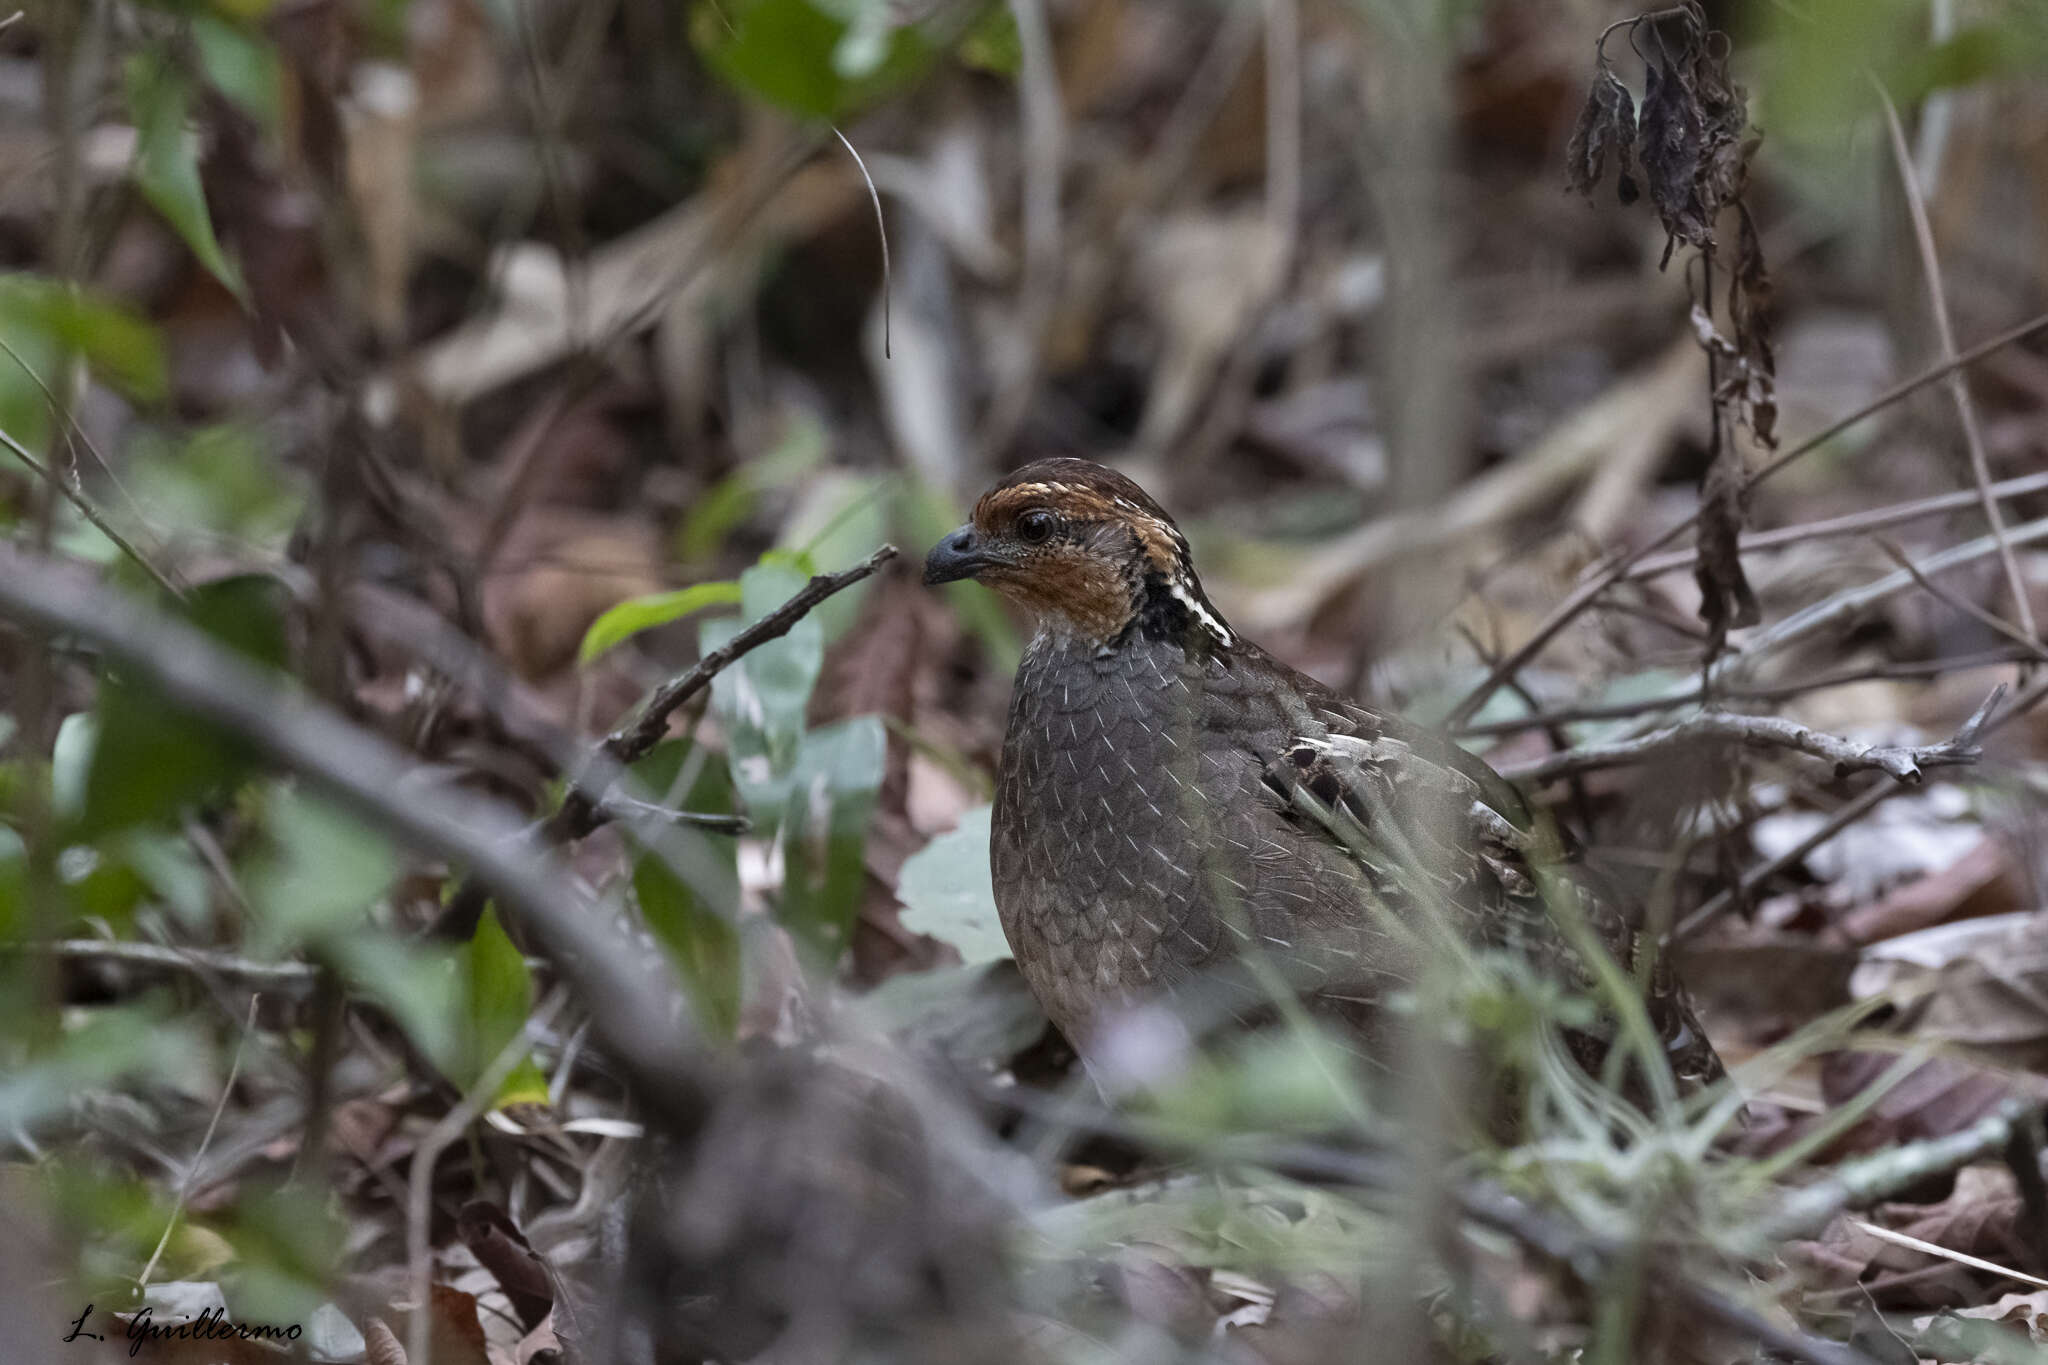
1198 610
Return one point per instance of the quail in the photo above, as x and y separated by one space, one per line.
1174 804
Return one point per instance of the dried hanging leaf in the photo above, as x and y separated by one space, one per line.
1749 315
1726 599
1607 122
1693 144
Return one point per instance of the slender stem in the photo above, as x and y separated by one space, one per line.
1606 575
1944 331
1854 523
90 513
1904 764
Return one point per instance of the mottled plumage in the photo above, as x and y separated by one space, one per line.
1172 798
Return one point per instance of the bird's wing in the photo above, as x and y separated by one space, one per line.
1438 825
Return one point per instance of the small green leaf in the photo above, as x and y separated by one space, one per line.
166 166
151 758
760 701
500 992
242 65
322 869
422 987
694 916
119 346
947 892
807 59
823 831
636 614
993 44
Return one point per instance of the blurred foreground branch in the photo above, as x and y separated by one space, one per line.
629 1004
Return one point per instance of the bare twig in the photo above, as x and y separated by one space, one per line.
1622 710
1958 387
1854 523
294 977
615 805
1716 906
62 411
588 803
1858 1184
629 998
85 508
1773 732
1044 124
1850 601
212 1126
1962 604
1604 576
881 232
633 740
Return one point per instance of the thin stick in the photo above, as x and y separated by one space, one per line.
62 411
1903 764
192 1169
1623 710
90 513
633 740
587 804
881 231
1859 1184
1850 601
1601 577
1958 387
1719 904
1044 151
1852 524
1960 603
296 977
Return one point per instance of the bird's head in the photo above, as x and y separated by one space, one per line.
1085 550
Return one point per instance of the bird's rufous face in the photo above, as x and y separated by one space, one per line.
1077 545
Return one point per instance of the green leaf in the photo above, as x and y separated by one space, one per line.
636 614
947 892
422 988
287 1242
151 758
806 58
110 1045
242 65
500 993
993 44
693 917
760 701
320 871
823 832
166 167
119 346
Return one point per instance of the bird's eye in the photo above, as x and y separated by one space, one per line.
1036 527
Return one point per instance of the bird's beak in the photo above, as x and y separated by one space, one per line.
959 555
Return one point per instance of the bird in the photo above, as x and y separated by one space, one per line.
1179 815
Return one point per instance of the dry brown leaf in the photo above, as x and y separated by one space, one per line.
1983 882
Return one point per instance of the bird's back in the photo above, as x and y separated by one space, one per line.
1165 814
